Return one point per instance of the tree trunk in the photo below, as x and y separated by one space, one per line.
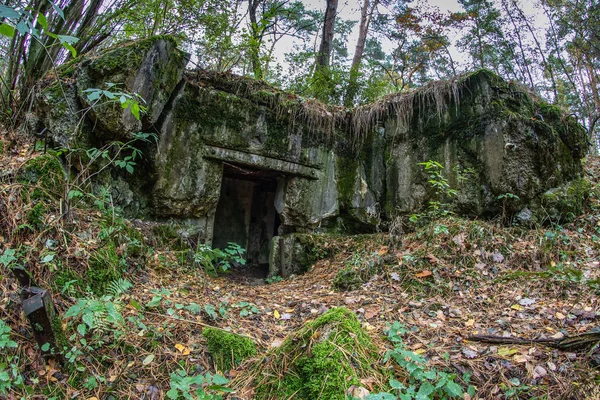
327 37
255 40
321 83
365 20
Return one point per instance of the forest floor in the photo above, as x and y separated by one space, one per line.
443 282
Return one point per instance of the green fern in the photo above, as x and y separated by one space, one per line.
117 288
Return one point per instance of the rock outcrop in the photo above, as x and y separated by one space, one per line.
244 162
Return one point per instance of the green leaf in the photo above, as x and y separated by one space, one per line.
88 318
453 389
424 391
41 19
82 329
47 258
70 48
68 39
220 380
8 12
129 168
7 30
210 310
45 347
58 10
173 394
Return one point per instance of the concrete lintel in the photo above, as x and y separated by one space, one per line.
261 162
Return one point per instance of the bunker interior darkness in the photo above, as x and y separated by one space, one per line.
246 213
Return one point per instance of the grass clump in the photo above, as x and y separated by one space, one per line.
228 349
320 361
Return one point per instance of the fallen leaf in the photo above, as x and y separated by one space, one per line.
506 351
470 322
357 392
559 315
371 312
395 276
148 359
497 257
517 307
469 353
539 372
183 349
520 358
526 301
276 343
423 274
276 314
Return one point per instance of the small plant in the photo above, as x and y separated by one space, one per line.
246 308
360 267
440 206
100 315
507 199
273 279
215 260
130 101
7 258
10 376
202 387
422 381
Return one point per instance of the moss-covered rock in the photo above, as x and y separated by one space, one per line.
45 174
320 361
564 203
228 350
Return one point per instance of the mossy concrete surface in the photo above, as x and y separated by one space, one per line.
320 361
228 350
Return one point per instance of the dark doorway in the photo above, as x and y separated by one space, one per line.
246 215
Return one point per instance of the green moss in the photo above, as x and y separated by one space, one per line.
45 173
125 55
228 349
320 361
563 204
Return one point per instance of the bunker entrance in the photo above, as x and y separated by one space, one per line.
246 215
